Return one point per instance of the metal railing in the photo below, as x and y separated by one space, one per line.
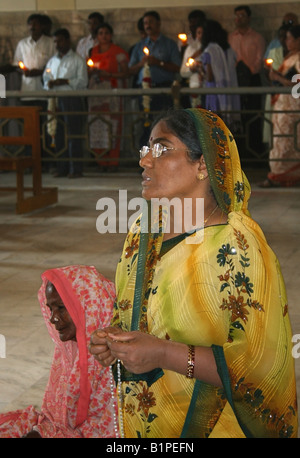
133 120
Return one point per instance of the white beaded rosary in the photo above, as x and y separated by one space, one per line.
117 405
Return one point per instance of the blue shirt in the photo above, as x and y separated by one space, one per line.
165 49
275 43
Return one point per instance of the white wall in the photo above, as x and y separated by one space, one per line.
50 5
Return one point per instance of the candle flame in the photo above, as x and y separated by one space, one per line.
48 70
190 62
182 36
269 61
90 63
146 51
21 65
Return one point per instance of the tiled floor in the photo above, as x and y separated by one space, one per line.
66 234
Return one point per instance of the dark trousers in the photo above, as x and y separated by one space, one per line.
68 125
252 124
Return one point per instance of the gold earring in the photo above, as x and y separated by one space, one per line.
201 176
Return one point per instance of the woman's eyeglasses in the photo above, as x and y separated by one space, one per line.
157 150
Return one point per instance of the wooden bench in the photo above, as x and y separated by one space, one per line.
39 197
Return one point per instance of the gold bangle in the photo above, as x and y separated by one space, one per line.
191 362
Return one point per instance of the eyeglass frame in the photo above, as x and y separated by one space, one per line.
155 154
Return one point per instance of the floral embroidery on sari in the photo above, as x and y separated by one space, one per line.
146 400
271 418
238 284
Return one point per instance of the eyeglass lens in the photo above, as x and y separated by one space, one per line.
157 150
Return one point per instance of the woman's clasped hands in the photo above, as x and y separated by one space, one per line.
138 351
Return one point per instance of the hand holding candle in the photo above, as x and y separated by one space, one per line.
29 72
148 60
146 65
146 52
22 66
183 38
94 69
90 63
49 74
194 65
190 62
26 71
48 77
272 74
269 63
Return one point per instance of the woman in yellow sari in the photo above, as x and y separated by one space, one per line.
201 339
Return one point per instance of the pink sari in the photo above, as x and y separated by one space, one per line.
77 401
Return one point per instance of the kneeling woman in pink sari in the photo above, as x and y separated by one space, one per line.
78 402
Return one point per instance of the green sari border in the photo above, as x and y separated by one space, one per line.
126 376
141 267
224 375
190 409
139 283
151 376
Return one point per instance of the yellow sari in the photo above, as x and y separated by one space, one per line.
220 287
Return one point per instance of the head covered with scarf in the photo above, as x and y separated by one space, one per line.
205 133
228 181
77 401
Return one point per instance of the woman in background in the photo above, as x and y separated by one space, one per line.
191 68
277 54
109 71
219 63
284 157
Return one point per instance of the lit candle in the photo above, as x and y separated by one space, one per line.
146 65
269 62
145 85
90 63
190 62
49 74
21 65
182 37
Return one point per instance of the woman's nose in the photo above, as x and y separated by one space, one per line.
147 161
53 317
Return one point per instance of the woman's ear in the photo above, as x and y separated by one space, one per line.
202 173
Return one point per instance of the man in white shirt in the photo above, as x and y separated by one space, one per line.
67 71
34 52
85 44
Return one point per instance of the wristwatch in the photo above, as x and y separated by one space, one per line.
162 64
